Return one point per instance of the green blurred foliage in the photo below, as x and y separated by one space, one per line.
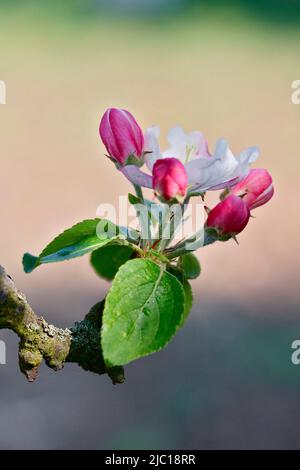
278 11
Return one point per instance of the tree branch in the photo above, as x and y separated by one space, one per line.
40 341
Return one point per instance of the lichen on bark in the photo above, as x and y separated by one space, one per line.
40 340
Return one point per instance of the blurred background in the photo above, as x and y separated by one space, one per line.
225 68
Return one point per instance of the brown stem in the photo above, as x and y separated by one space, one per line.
41 341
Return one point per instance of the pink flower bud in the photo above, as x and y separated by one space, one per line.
121 135
229 217
256 189
169 178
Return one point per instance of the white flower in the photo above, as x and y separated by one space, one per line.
205 171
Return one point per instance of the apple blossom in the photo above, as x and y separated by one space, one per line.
229 217
169 178
205 171
121 135
256 189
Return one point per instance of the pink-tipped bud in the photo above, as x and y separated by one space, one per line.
169 178
229 217
256 189
121 135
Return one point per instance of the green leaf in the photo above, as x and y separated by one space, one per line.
107 260
190 265
188 301
188 293
142 311
29 262
134 199
82 238
177 272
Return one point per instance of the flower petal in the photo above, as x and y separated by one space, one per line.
198 145
186 146
136 176
221 170
206 172
177 140
151 145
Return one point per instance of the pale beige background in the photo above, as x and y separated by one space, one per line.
227 379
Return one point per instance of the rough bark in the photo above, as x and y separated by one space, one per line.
40 341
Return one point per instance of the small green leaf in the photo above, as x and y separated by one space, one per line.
29 262
188 301
190 265
142 311
82 238
107 260
134 199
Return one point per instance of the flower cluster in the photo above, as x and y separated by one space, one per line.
187 168
150 297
